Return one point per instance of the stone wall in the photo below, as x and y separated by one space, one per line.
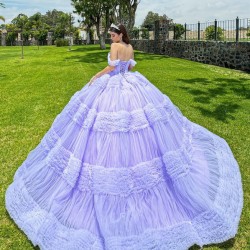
226 54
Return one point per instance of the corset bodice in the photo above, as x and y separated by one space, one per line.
121 67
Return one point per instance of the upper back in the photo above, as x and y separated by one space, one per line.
123 52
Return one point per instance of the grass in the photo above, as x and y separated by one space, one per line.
35 89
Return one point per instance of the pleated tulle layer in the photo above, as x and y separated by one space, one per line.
122 168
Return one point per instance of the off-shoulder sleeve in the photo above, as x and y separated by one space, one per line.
112 62
133 62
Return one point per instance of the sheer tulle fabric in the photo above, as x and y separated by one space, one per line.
122 168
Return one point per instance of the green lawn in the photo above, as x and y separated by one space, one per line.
35 89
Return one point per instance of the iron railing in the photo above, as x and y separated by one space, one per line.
237 30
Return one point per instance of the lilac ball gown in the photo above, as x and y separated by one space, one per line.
122 168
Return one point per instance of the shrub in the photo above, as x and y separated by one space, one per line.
62 42
178 31
144 33
210 33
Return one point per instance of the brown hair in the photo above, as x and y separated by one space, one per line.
122 30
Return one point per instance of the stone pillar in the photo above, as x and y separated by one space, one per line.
3 40
49 38
161 34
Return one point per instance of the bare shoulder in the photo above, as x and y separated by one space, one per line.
114 45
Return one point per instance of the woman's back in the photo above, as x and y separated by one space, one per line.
121 57
121 51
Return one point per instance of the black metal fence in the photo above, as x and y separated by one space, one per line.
237 30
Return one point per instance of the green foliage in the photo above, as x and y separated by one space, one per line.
11 35
101 14
91 35
144 33
135 33
20 22
210 33
178 31
61 42
76 36
58 22
38 25
248 34
40 35
98 13
149 21
10 38
26 35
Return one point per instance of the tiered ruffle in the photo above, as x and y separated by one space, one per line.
122 168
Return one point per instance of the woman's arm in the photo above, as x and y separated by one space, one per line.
113 56
102 72
131 66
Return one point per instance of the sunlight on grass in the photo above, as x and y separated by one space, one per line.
35 89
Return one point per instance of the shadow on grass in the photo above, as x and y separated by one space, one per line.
2 76
224 245
93 54
205 91
223 112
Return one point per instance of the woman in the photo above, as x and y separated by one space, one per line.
122 168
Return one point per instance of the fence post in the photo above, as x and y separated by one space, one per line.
237 29
156 37
185 36
199 31
215 30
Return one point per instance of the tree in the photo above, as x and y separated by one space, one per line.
149 21
36 26
96 13
21 24
135 34
125 13
144 33
178 31
58 22
12 34
210 33
101 13
39 29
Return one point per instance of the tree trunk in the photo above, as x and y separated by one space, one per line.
88 35
101 35
88 38
102 41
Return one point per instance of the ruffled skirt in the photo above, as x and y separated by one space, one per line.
122 168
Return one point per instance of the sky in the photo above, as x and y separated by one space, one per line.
181 11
